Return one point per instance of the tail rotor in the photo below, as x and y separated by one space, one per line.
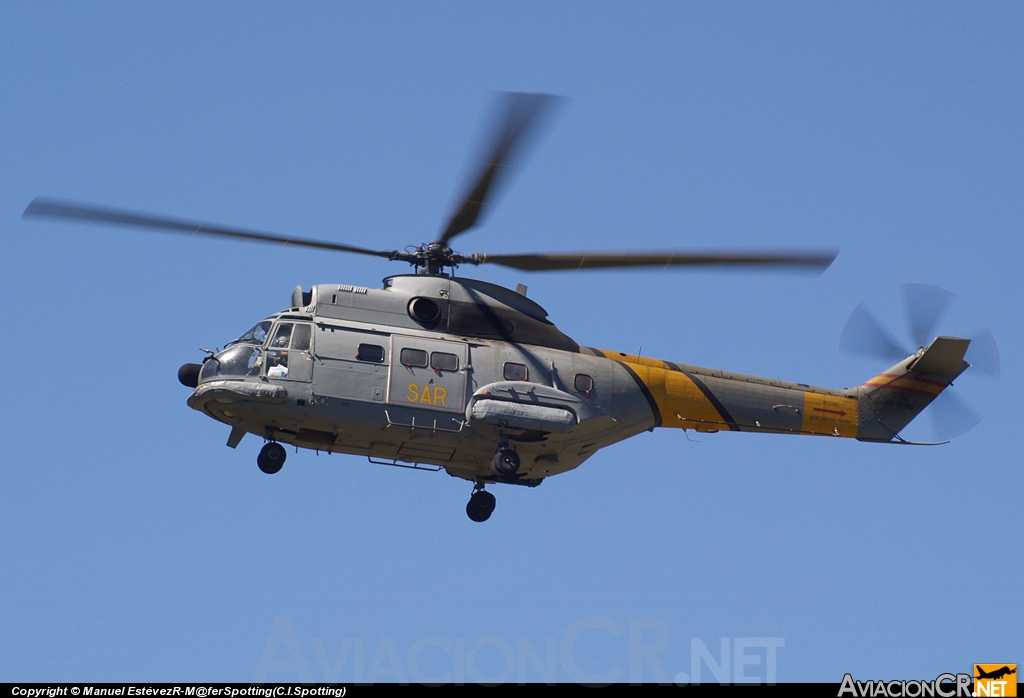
864 335
925 306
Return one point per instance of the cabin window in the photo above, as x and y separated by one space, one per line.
515 372
442 361
301 336
583 383
370 352
413 358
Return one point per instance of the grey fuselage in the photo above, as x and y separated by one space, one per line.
389 375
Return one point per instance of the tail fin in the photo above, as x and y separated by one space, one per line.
890 400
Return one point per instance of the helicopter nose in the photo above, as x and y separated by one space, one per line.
188 375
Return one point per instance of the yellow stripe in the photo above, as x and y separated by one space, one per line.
635 359
682 404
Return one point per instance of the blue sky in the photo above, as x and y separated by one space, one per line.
137 546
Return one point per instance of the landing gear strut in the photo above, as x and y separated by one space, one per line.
481 504
271 458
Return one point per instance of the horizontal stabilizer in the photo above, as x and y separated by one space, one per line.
943 357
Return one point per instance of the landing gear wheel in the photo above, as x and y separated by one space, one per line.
481 506
271 458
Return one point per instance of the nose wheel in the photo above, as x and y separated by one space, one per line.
481 504
272 457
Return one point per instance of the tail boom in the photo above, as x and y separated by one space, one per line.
709 400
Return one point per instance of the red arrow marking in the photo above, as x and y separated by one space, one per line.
841 413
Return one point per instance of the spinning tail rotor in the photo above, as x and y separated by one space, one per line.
925 307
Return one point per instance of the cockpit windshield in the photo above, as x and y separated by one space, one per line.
257 335
236 361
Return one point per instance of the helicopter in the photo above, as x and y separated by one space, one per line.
438 372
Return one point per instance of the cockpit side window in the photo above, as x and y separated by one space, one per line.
289 336
301 336
282 336
257 335
277 363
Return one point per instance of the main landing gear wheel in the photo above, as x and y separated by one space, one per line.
272 457
481 505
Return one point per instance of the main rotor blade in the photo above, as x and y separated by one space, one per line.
925 307
523 113
49 208
612 260
863 334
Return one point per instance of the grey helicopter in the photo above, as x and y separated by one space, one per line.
438 372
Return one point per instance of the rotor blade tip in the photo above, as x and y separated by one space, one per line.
32 207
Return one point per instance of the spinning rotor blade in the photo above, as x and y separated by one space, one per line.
950 416
864 335
523 113
612 260
49 208
983 354
925 306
